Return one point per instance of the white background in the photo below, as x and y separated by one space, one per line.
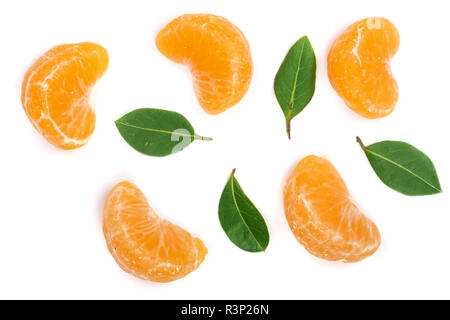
51 243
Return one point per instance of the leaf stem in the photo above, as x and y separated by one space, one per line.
233 172
288 120
361 144
288 127
197 137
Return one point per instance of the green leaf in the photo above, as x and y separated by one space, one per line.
241 221
295 81
157 132
403 167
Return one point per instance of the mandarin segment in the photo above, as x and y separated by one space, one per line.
217 54
144 244
56 91
323 217
359 67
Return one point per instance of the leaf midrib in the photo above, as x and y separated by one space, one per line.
402 167
240 214
291 100
155 130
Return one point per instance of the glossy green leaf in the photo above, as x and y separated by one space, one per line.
157 132
295 81
403 167
241 221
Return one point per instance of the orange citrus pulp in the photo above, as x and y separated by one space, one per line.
144 244
56 91
216 52
322 216
359 67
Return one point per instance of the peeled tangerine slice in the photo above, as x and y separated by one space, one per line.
359 67
144 244
322 216
56 90
216 52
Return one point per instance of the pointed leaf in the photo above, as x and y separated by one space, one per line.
403 167
241 221
156 132
295 81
